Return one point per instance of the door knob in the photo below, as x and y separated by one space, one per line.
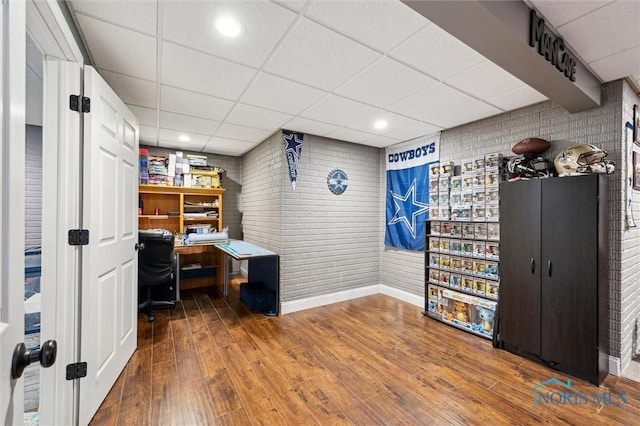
139 246
22 357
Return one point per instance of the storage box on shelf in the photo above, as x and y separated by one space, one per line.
181 210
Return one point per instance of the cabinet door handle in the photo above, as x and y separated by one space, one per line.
549 267
533 265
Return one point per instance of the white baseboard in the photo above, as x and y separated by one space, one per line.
405 296
327 299
342 296
614 366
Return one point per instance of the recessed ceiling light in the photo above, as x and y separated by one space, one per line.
380 124
184 138
228 26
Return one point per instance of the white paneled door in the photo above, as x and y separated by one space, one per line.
12 83
109 272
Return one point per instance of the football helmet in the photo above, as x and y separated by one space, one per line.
529 166
583 159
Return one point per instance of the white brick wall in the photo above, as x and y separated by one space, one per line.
33 187
327 243
261 198
600 126
629 273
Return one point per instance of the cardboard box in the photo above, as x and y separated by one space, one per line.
446 169
444 184
434 260
492 250
444 245
493 161
455 246
456 229
434 244
479 248
493 231
478 212
480 231
492 269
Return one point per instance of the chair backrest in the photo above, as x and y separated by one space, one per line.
155 260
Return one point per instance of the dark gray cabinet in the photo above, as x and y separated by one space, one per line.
553 291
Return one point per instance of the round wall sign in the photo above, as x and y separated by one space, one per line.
337 181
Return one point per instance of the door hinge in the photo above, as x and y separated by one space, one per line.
78 237
76 370
79 104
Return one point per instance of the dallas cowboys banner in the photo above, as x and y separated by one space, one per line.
408 191
292 147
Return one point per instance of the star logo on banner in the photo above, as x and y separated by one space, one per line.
292 145
408 208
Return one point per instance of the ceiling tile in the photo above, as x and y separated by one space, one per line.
431 101
195 71
319 57
279 94
187 124
470 111
379 24
173 136
192 24
349 135
241 133
617 66
146 116
182 146
259 118
304 125
617 21
139 15
558 13
373 86
413 131
196 104
517 98
224 146
131 90
337 110
484 80
148 135
119 49
380 141
436 53
395 122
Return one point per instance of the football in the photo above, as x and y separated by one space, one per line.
531 146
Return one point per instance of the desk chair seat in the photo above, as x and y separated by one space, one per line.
156 270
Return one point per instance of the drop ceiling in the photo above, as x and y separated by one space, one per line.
329 68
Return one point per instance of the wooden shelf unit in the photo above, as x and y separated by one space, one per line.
172 199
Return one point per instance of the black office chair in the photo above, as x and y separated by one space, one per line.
156 270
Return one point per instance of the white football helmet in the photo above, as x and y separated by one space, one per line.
583 159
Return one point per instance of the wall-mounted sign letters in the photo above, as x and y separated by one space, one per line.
551 47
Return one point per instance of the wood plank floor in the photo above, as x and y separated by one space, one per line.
373 360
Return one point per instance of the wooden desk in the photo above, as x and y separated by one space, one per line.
201 281
263 265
